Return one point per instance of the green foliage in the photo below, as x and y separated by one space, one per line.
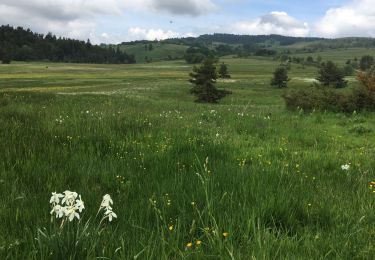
360 130
348 70
366 62
6 60
24 45
265 52
280 77
204 79
223 71
243 39
73 241
197 54
324 99
224 49
160 51
368 79
331 76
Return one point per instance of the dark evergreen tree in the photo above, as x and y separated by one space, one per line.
223 71
204 79
331 76
280 77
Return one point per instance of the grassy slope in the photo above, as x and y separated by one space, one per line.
275 184
340 55
160 51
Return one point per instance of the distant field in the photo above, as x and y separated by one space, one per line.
340 55
160 51
271 188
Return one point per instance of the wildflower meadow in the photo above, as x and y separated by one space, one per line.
118 162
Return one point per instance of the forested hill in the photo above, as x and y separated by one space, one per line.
24 45
244 39
276 40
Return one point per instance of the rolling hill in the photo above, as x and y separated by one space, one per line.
158 52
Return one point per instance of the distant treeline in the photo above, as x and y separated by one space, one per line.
24 45
241 39
313 42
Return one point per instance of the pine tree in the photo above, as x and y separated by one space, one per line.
223 71
331 76
204 79
280 77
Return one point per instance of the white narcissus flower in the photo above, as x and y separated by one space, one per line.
107 201
68 207
345 167
110 214
55 198
106 205
59 211
79 204
71 213
71 205
69 197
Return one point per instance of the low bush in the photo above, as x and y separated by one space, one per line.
325 99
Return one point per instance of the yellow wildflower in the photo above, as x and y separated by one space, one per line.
189 245
226 234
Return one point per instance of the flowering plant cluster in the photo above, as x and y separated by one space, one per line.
106 205
345 167
68 206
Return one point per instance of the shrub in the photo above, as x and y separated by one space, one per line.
320 98
368 79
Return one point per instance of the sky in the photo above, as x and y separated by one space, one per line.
115 21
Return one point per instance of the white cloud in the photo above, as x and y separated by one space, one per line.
354 19
64 9
69 18
185 7
138 33
272 23
79 18
83 19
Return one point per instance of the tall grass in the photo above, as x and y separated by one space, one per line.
272 186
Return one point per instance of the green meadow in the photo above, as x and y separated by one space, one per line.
242 179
